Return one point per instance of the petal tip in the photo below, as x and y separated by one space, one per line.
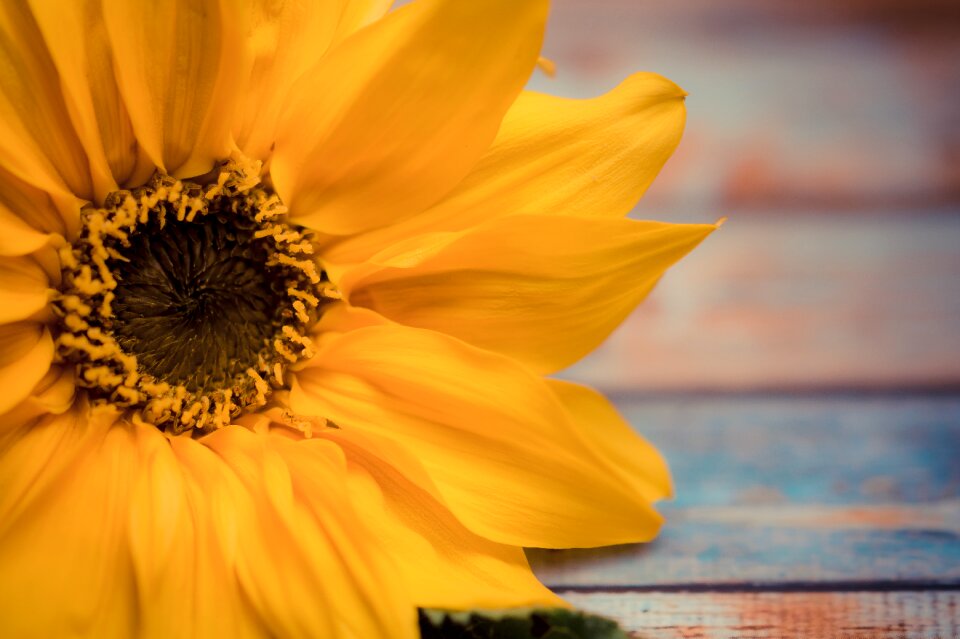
654 85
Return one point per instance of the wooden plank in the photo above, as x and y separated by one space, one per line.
801 104
796 615
797 301
803 491
738 546
760 450
838 265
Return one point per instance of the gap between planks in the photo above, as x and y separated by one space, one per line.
774 587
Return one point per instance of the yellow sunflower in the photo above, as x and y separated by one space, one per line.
280 282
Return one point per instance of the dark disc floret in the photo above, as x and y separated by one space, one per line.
187 302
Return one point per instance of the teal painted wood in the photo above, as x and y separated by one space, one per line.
805 450
695 551
792 492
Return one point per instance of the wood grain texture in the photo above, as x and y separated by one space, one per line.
831 615
769 450
826 131
698 552
807 517
785 301
791 490
814 104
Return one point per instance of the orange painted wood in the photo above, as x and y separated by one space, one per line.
773 615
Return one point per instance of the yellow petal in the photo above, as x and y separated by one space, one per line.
26 352
440 563
76 37
159 518
178 74
640 465
301 560
543 289
385 607
493 438
54 393
16 236
399 113
185 581
22 204
63 507
110 529
339 317
285 40
24 289
178 577
556 156
37 142
359 13
578 157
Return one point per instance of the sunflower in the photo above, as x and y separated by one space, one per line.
280 285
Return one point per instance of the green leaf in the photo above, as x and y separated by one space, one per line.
526 623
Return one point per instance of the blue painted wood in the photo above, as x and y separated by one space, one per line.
693 553
729 450
792 492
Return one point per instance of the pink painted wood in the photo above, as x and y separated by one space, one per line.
799 615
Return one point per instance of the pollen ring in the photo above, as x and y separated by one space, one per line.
187 302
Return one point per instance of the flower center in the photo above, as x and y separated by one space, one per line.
186 301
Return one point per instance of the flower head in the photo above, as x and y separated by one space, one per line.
281 282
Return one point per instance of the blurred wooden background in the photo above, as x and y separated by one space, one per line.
829 134
801 370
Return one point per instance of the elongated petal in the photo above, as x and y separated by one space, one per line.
297 563
639 464
579 157
24 289
399 113
285 40
26 353
110 529
18 237
63 507
185 573
556 156
24 206
37 141
441 563
121 545
358 13
54 394
76 37
543 289
491 435
178 74
383 607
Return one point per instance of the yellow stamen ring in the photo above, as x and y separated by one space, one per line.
187 302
